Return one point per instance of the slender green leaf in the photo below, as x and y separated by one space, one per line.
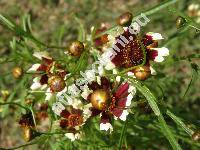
179 122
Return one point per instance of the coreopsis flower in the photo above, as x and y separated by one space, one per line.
50 75
109 101
194 11
129 50
73 118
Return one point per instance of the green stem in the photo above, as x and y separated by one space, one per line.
13 103
147 13
122 135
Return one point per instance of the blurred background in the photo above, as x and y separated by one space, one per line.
54 22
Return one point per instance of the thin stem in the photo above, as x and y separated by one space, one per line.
122 135
12 103
147 13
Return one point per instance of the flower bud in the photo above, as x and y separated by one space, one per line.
29 101
76 48
99 99
5 94
142 73
56 83
125 19
27 133
180 22
196 136
17 72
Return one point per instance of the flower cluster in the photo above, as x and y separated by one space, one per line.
105 97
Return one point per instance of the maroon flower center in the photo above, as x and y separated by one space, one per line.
112 104
75 120
131 50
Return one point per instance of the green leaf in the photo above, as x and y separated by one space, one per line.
149 96
82 32
179 122
168 134
19 31
152 102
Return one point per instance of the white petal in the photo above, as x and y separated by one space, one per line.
125 28
90 75
39 55
70 136
111 38
159 59
106 126
132 89
100 70
118 78
36 84
124 115
129 99
130 74
58 108
85 93
153 72
44 86
115 71
86 111
61 92
155 36
163 51
109 66
78 135
98 80
48 94
77 104
33 68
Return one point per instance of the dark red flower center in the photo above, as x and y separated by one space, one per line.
75 120
132 50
